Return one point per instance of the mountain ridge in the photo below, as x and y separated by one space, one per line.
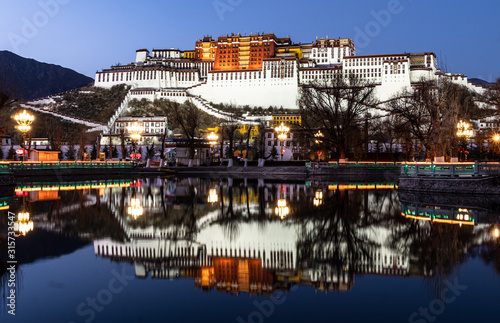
27 79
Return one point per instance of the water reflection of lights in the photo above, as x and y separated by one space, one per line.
72 187
282 209
212 196
439 215
4 205
23 225
318 198
135 209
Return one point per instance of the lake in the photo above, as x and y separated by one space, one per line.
233 250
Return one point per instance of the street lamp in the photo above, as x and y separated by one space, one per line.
464 132
318 135
496 139
24 121
282 131
212 137
135 131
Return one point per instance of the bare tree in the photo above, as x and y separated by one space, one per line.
261 139
336 108
492 95
186 117
230 127
385 133
122 143
431 112
55 133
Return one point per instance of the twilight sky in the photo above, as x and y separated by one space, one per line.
88 35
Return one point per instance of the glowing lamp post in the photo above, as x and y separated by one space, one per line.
135 131
318 135
496 233
496 139
464 132
282 131
212 137
135 209
24 121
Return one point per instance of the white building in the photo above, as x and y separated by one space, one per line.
490 122
154 129
166 73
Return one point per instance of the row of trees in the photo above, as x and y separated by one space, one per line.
419 120
187 119
423 117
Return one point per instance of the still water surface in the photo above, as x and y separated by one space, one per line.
195 249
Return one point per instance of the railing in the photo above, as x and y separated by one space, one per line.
67 165
450 169
353 164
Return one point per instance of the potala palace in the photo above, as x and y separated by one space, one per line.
265 70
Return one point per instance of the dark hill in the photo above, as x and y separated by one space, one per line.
28 79
478 82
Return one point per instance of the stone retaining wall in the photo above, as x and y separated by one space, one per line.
475 185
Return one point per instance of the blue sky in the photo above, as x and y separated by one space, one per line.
88 35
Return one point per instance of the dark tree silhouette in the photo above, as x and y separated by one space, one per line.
336 108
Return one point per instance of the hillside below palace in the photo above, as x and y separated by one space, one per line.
264 70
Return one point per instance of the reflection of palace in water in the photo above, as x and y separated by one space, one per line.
235 236
246 254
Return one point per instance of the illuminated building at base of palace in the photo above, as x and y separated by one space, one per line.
264 70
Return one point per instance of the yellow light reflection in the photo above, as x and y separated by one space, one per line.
318 198
282 209
135 209
23 225
212 196
459 221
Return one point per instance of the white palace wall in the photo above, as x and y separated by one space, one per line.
277 83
